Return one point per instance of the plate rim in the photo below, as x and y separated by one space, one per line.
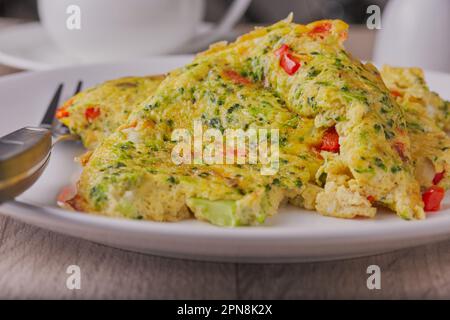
412 230
245 248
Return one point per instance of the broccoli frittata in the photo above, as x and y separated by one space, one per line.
348 141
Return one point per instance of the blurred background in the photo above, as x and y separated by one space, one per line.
410 33
260 11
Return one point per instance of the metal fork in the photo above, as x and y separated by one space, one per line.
25 153
49 121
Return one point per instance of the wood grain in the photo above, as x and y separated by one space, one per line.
33 264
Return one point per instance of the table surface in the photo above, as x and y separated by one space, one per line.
34 261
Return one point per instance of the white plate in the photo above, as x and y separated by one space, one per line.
292 235
29 47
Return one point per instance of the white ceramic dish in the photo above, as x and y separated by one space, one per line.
29 47
293 235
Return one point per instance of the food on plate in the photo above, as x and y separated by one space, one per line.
409 85
347 143
426 116
132 174
96 112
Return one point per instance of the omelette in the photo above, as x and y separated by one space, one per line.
408 85
426 119
346 144
96 112
131 174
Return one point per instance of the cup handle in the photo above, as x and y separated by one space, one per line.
234 13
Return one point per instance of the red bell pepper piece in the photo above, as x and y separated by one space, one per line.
288 62
330 141
236 77
92 113
62 113
321 29
438 177
432 198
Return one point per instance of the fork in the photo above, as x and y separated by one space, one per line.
25 153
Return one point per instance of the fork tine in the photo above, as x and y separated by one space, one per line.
79 87
58 128
51 109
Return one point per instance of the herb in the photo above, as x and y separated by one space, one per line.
361 95
120 165
215 123
386 101
292 123
98 195
190 66
323 178
203 174
377 127
380 164
395 169
415 126
129 145
244 73
313 72
312 102
257 69
388 134
367 170
298 183
234 107
151 106
266 104
283 141
172 180
155 148
298 92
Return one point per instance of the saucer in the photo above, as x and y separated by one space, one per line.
29 47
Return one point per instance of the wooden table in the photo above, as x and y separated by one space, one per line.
33 264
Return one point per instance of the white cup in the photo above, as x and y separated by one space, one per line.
124 29
415 33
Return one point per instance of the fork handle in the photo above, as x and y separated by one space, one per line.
22 153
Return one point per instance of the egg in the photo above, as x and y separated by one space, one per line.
348 142
96 112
